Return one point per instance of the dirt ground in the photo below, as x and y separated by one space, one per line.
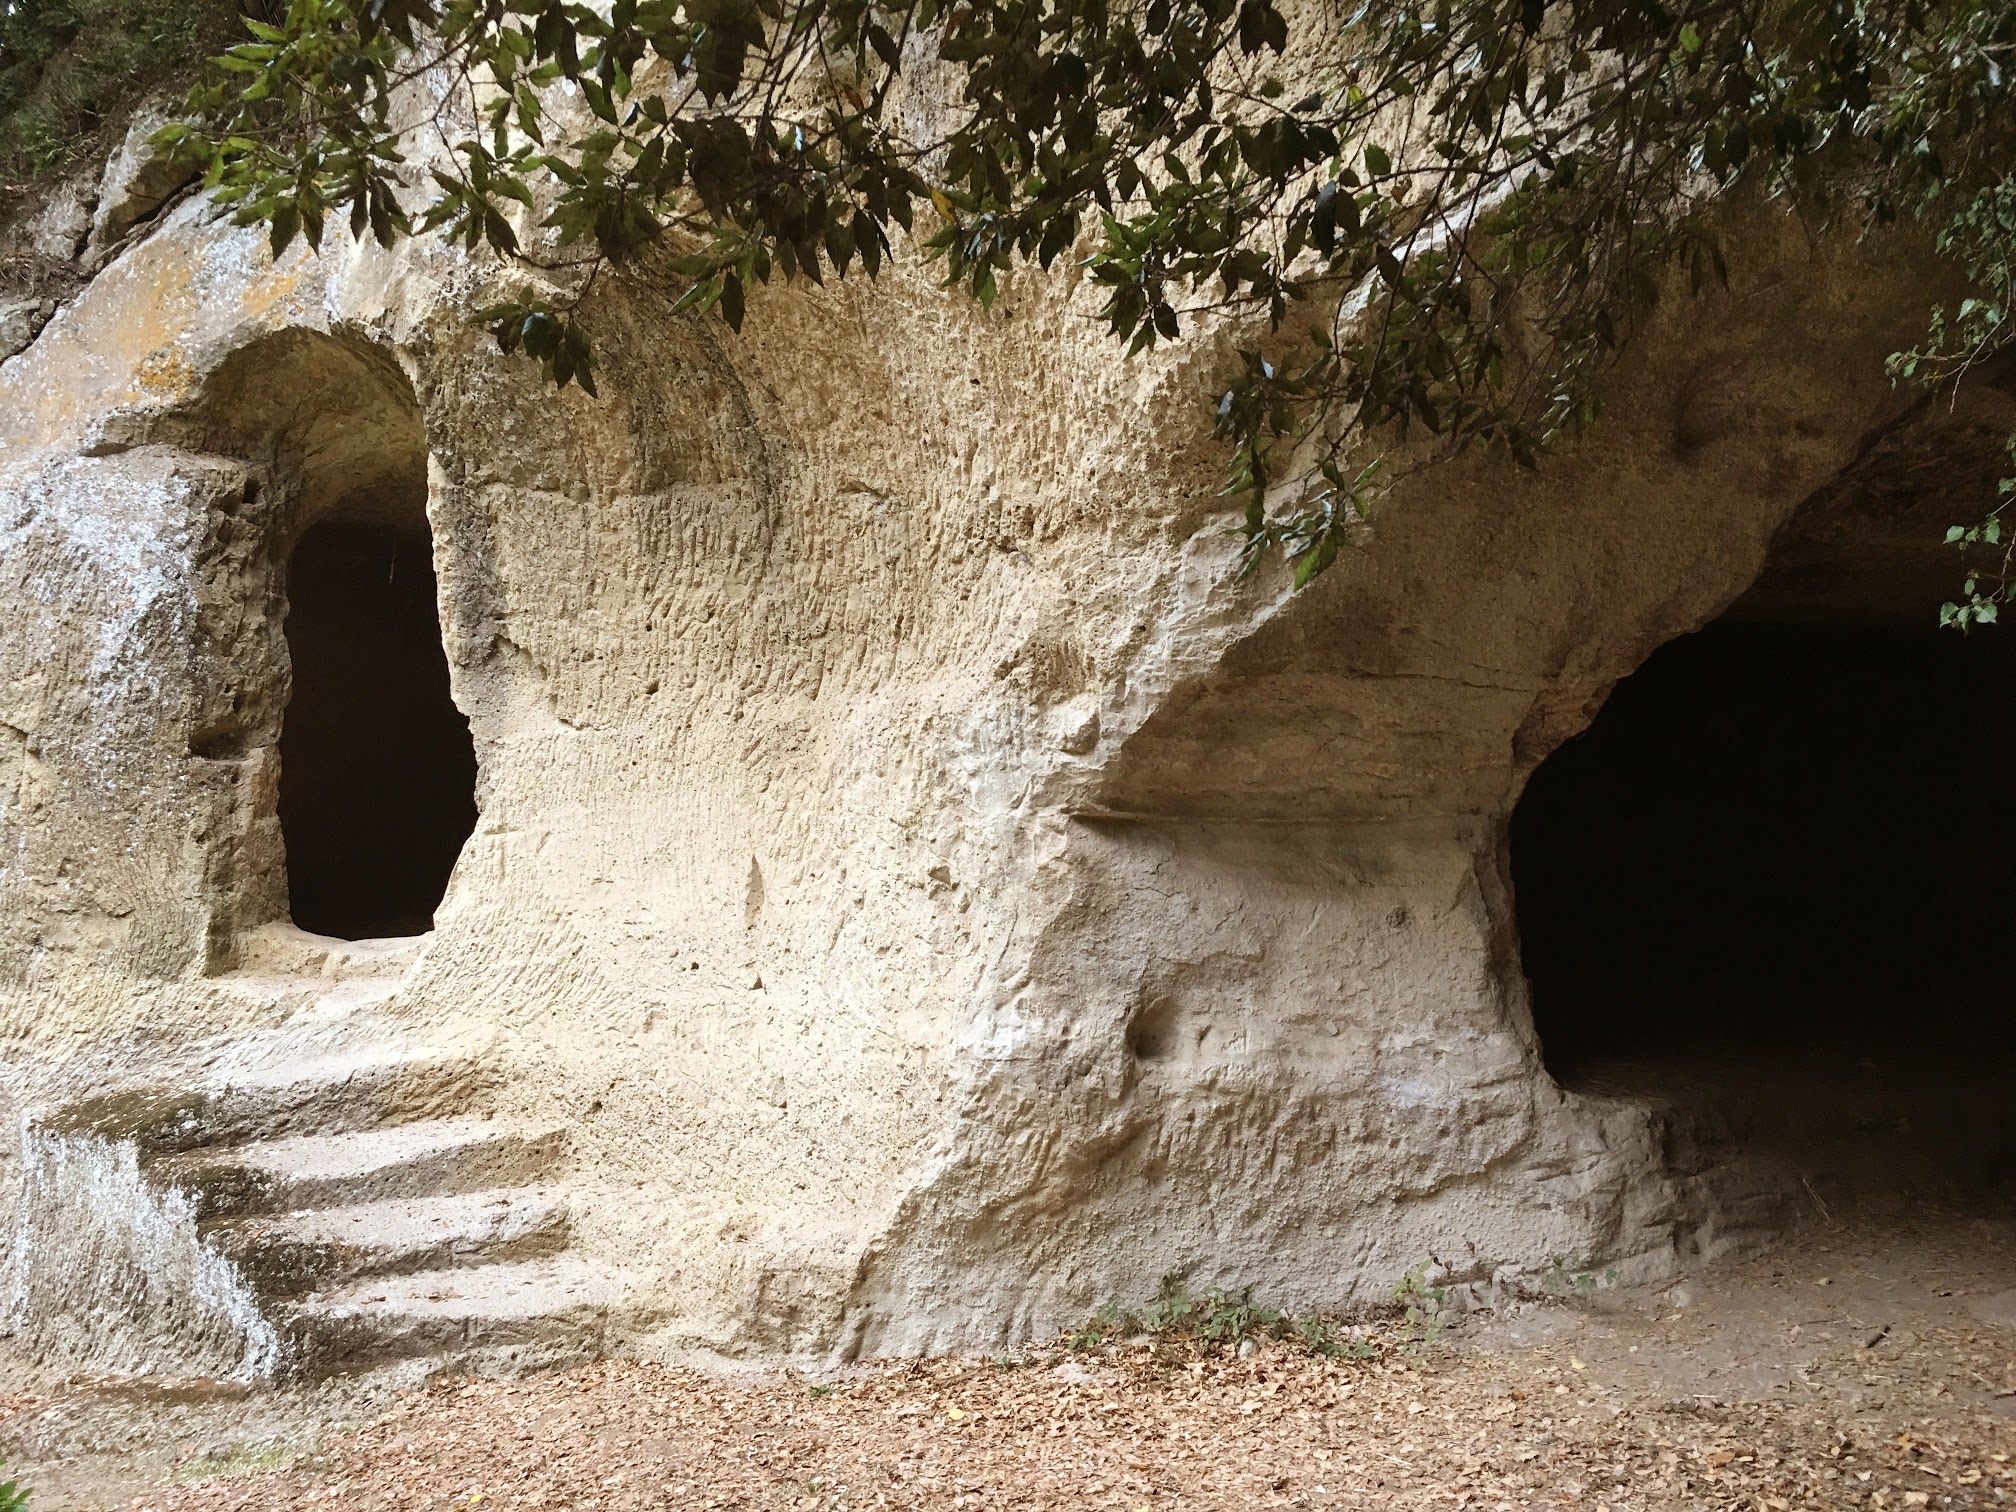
1867 1365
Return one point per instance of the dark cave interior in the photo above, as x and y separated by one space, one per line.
1773 876
377 770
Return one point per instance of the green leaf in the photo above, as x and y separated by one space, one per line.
1152 116
286 225
868 242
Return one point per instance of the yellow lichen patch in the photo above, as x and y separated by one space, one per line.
132 338
106 351
164 374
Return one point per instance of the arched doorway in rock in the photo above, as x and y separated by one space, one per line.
1766 887
342 671
377 770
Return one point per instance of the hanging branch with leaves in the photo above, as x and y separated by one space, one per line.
1439 220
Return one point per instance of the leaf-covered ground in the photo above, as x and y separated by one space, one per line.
1263 1432
1875 1371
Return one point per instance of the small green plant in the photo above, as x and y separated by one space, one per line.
1574 1277
1172 1306
13 1495
1109 1320
1421 1301
1229 1321
1320 1337
1218 1321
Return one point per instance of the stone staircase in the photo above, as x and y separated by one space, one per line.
319 1198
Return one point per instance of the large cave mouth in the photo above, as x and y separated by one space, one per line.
1770 883
377 769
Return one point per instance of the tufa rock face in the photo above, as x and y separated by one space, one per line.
138 180
20 319
931 896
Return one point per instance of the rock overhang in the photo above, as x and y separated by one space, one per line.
1115 916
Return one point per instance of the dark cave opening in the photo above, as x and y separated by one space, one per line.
1773 876
377 769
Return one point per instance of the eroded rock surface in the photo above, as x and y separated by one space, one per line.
929 894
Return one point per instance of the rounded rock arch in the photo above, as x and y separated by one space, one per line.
323 442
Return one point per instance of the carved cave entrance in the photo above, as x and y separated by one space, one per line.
377 770
1768 887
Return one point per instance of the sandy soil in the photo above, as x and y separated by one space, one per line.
1870 1365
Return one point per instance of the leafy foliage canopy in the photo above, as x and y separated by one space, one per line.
70 67
1450 213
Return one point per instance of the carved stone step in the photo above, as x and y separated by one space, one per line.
438 1157
494 1319
285 952
356 1087
302 1200
288 1254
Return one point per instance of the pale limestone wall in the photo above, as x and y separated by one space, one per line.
807 672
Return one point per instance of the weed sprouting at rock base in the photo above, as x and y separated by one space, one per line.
13 1495
1181 1325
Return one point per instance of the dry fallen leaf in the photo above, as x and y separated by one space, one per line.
1185 1430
